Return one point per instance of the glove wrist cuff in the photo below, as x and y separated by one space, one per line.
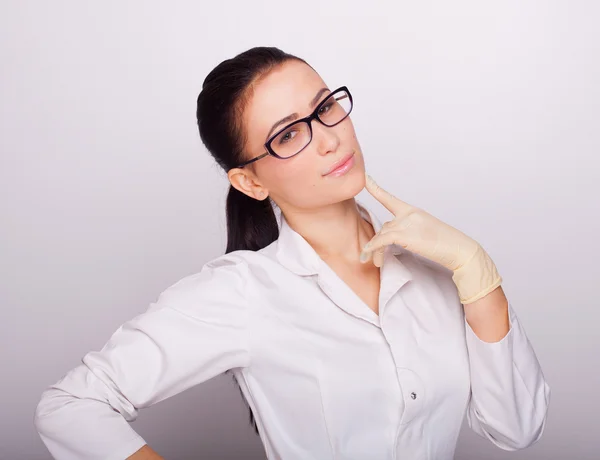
476 278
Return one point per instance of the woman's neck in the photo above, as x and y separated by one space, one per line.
334 231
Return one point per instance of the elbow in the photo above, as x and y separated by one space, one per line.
514 439
534 428
517 429
46 405
49 415
524 439
530 430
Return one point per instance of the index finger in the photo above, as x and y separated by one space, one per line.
391 203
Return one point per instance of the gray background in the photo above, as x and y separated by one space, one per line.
485 114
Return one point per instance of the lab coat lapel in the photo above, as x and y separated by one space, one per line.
343 296
294 253
393 273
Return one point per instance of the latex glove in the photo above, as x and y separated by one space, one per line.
474 273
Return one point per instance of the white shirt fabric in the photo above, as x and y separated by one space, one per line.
325 376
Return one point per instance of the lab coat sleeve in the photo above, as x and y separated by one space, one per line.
509 395
195 330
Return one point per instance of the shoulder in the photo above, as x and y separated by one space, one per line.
220 282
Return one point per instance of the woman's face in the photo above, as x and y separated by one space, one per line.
299 182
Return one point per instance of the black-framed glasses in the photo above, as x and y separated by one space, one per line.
295 137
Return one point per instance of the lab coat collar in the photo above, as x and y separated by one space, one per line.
294 253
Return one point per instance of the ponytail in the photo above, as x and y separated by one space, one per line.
251 223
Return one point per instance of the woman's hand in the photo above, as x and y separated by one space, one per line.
475 274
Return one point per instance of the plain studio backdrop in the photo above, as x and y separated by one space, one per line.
485 114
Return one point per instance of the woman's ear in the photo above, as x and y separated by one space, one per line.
245 183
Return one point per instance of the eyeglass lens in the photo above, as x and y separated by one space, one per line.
297 136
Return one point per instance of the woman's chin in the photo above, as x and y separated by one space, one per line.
354 184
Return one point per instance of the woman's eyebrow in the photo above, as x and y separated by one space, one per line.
317 97
294 115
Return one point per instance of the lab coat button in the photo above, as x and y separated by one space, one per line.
414 394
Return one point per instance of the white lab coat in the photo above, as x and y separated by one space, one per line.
325 376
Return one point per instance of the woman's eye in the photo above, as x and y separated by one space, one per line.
286 137
328 105
325 107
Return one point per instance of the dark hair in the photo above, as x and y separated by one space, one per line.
251 223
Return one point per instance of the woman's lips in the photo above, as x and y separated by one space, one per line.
342 167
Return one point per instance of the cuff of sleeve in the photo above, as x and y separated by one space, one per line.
128 449
473 340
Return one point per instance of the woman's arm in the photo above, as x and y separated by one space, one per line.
488 316
145 453
509 394
195 331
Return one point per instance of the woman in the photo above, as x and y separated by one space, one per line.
339 355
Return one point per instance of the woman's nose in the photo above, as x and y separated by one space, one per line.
325 137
